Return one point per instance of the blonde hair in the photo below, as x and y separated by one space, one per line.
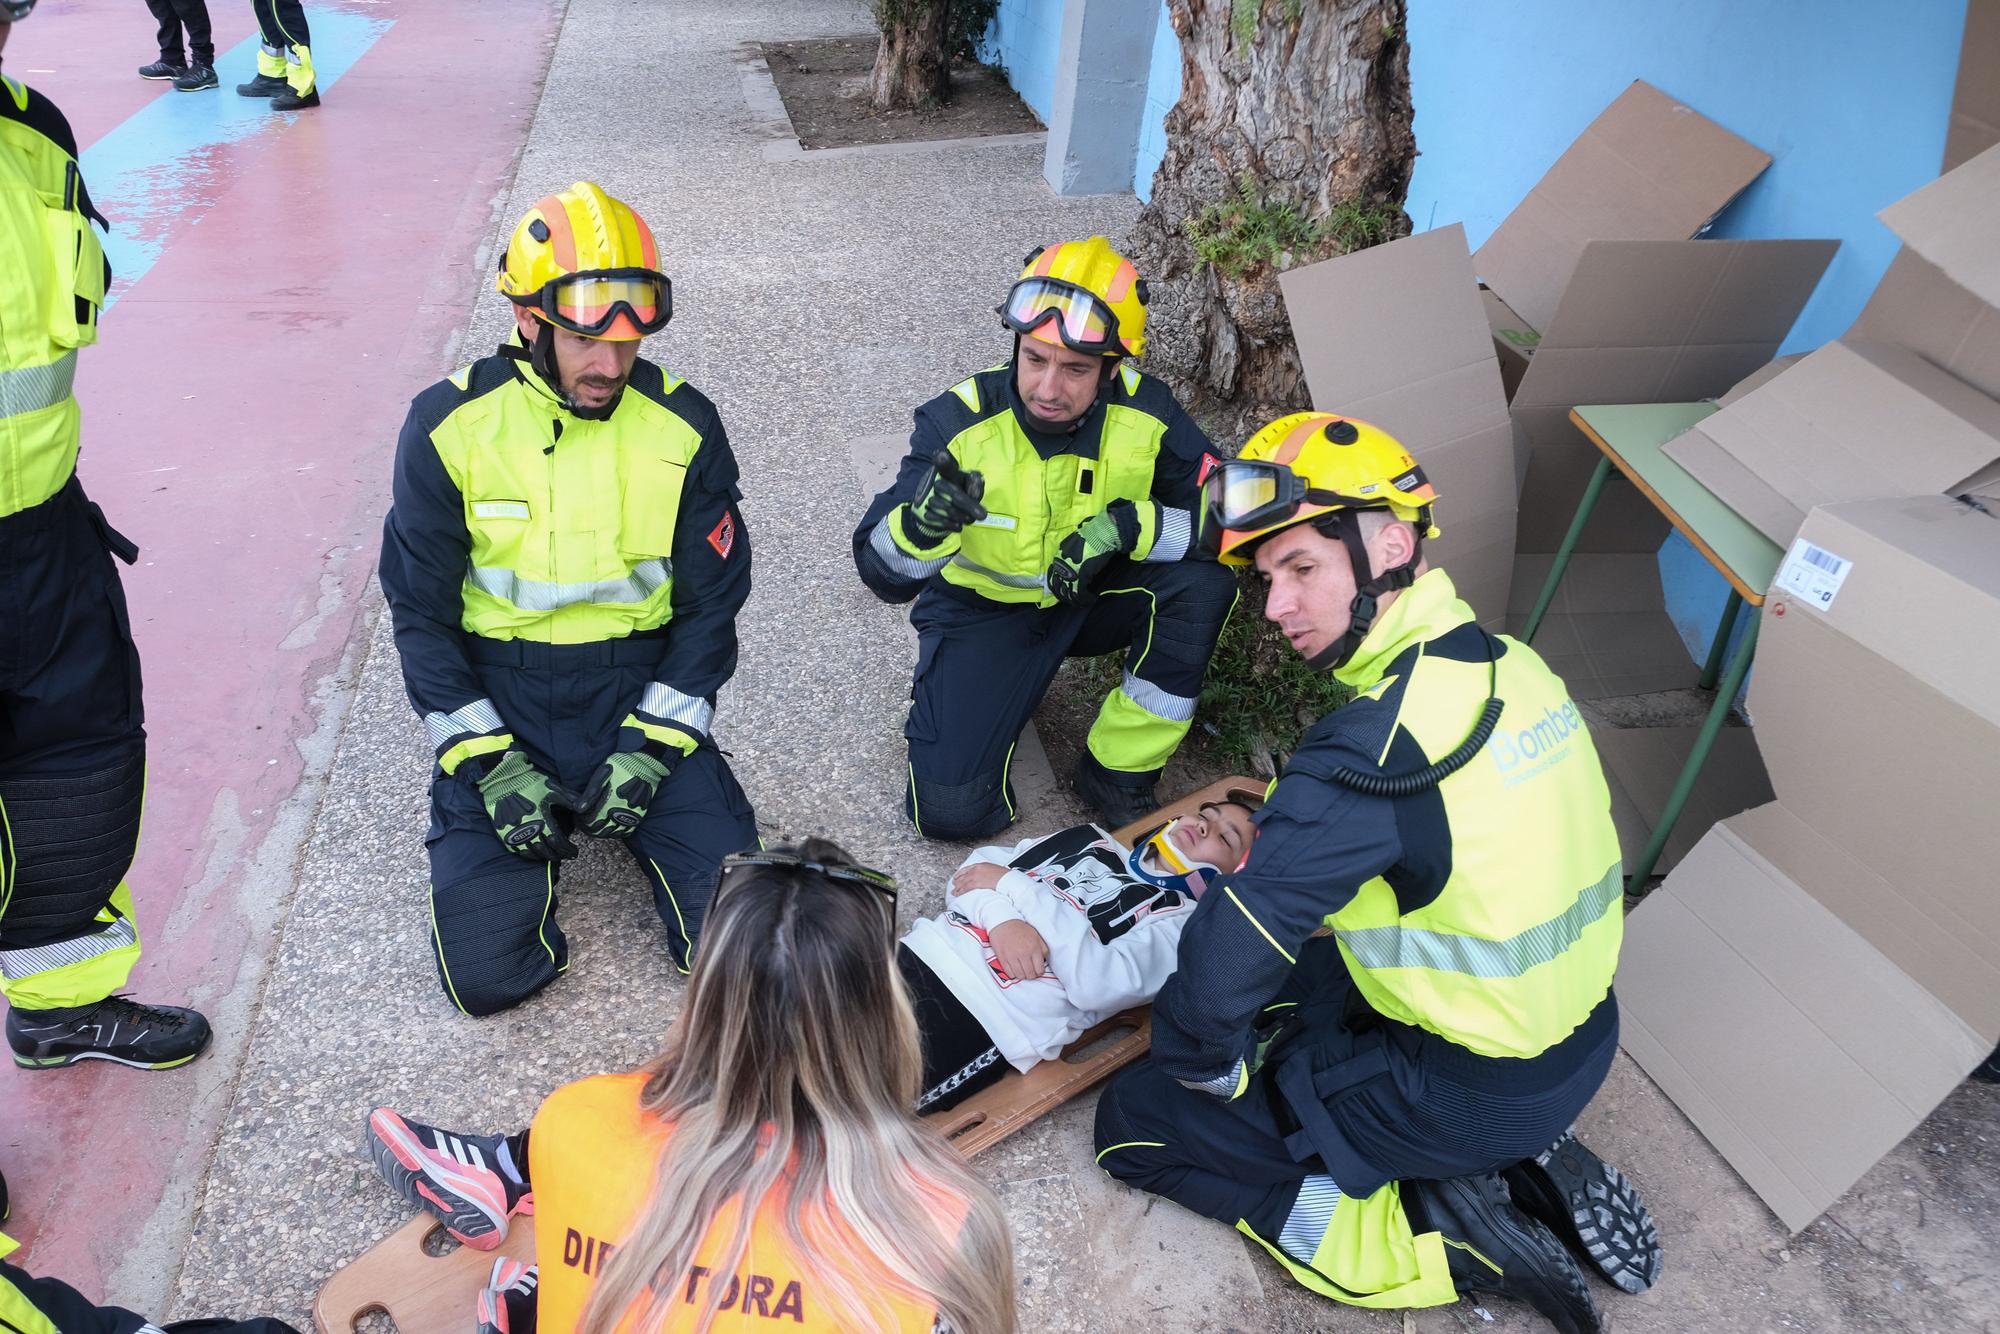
792 1068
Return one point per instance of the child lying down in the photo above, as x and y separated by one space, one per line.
1036 943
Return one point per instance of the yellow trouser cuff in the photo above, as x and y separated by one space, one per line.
471 746
271 66
1368 1257
299 70
85 981
1130 739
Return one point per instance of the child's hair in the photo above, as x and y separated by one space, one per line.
792 1068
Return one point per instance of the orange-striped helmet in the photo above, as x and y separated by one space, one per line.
1308 464
584 261
1080 294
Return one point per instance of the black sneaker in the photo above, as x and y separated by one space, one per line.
459 1178
163 70
197 78
291 101
1493 1247
147 1037
264 85
1590 1205
1119 798
507 1302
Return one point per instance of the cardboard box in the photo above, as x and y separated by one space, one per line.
1820 972
1394 335
1648 168
1646 322
1975 105
1513 340
1607 632
1854 419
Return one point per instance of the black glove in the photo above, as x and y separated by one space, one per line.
1087 550
521 800
946 501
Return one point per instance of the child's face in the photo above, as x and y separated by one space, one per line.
1216 834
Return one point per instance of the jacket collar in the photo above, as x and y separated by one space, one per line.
1423 611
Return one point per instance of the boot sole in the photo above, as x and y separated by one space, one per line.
1595 1210
58 1062
412 1173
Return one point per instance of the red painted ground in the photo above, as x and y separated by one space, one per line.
239 418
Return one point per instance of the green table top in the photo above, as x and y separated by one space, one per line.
1632 434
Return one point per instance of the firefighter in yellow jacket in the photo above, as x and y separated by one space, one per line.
1450 829
72 723
1045 510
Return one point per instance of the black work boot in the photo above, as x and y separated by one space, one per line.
1590 1205
197 78
1118 798
291 101
1493 1247
264 85
162 71
148 1037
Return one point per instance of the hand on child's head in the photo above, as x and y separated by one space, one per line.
979 875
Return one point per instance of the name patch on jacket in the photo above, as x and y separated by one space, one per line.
499 509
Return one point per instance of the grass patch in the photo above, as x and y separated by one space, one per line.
1248 229
1261 697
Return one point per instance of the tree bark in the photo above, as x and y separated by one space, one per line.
1314 112
912 64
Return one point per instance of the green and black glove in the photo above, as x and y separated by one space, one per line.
625 784
1094 544
522 802
947 500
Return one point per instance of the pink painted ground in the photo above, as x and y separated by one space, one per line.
239 417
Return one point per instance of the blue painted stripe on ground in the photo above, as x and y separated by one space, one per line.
154 173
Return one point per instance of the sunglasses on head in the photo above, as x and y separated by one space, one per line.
877 886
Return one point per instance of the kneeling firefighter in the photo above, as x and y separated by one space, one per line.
564 561
1045 510
1386 1021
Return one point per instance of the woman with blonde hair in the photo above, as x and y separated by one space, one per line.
766 1163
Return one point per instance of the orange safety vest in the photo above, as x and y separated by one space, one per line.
593 1157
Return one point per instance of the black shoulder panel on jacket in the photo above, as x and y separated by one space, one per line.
43 117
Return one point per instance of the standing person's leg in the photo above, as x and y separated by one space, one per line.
173 56
193 15
1167 618
982 667
289 16
698 817
493 914
272 67
72 785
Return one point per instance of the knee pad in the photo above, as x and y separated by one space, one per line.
959 810
495 937
72 840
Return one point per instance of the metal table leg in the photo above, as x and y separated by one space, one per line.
1567 549
1714 664
1711 727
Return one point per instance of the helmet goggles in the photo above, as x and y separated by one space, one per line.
592 303
1084 321
1248 495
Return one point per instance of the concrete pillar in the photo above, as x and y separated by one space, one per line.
1100 95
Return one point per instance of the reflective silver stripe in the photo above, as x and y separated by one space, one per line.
32 388
1312 1214
16 965
478 716
1176 532
1159 703
1412 947
663 701
899 561
1222 1086
646 579
1038 582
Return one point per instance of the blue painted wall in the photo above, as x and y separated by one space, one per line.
1026 40
1163 89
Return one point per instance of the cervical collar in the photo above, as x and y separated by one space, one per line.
1179 871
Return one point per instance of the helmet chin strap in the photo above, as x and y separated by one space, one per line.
1368 590
542 356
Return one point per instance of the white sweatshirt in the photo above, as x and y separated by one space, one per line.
1112 939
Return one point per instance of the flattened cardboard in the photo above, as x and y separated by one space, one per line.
1975 105
1648 168
1420 364
1795 1047
1954 222
1641 764
1852 420
1514 340
1776 366
1607 633
1646 322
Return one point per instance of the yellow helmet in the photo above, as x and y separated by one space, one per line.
1080 294
584 261
1308 464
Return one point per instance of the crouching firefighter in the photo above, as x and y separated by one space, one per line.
1385 1022
564 561
1045 510
72 723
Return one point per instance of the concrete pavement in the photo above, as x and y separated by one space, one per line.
819 297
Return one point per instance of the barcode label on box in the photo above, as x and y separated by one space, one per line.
1813 574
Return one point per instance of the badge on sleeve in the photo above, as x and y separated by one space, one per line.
723 538
1209 463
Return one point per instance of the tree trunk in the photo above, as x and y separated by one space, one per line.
912 64
1313 114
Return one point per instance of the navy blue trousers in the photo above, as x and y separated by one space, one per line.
493 914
